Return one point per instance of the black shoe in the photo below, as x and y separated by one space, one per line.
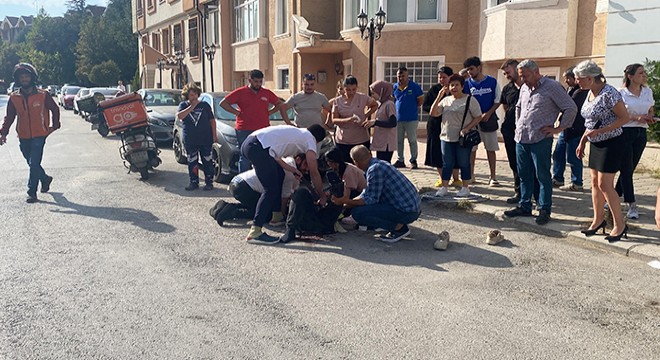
31 199
216 208
513 200
590 232
543 218
612 238
45 185
264 239
413 165
399 164
395 235
226 213
517 211
208 187
192 186
289 235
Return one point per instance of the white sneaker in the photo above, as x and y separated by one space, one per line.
494 237
463 192
632 212
442 192
442 242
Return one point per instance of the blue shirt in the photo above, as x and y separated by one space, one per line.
484 91
197 128
406 101
387 185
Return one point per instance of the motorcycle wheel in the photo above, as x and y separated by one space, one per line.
103 129
144 173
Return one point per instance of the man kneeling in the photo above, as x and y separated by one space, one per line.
389 202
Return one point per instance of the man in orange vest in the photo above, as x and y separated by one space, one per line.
33 108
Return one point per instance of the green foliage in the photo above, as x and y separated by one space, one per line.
652 68
105 73
135 84
9 57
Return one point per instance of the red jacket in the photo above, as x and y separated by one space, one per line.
33 112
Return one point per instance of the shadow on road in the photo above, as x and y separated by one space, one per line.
174 182
140 218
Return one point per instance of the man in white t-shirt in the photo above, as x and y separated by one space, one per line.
308 104
265 148
246 188
120 86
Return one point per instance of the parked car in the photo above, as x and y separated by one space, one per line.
225 150
53 89
108 94
83 92
162 105
67 95
12 87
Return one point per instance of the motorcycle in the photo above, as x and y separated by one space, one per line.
93 114
139 150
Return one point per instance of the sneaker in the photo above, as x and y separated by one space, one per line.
517 211
288 236
438 183
263 239
571 187
31 199
543 218
493 183
395 235
494 237
45 185
632 212
463 192
456 183
216 208
442 192
192 186
208 187
399 164
348 221
226 213
557 183
442 242
413 165
514 199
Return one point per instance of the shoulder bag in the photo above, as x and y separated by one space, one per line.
472 138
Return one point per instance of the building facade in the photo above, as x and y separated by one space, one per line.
12 26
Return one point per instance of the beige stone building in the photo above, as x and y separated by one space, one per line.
289 38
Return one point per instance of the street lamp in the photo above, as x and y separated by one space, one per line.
179 56
161 64
374 27
209 50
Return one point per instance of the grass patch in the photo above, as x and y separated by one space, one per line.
654 173
466 205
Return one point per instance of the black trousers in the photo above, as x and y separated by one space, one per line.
510 146
635 143
304 215
271 176
385 155
346 150
247 198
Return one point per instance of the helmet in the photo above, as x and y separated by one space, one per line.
27 69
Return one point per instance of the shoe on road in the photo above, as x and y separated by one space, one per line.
517 211
438 183
442 192
493 183
557 183
226 213
45 185
413 165
571 187
463 192
633 213
514 199
288 236
31 199
192 186
543 218
494 237
208 187
395 235
263 239
399 164
442 242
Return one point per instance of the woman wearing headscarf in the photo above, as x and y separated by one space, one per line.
384 136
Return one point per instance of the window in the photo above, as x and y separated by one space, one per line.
178 37
348 66
410 11
213 32
283 77
351 10
140 8
151 4
165 40
282 20
155 43
246 20
422 70
193 37
551 72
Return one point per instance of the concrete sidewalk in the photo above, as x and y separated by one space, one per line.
571 211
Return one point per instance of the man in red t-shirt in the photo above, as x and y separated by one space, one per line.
253 103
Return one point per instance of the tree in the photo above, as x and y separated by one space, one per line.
652 68
105 73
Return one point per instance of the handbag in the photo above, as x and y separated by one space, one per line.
472 138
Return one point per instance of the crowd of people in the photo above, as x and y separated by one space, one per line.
282 168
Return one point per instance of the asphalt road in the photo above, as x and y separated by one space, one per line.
109 267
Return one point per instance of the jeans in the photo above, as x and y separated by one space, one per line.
271 176
383 216
384 155
243 162
194 153
403 129
565 151
636 143
33 152
453 154
535 159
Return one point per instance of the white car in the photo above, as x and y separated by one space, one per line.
81 94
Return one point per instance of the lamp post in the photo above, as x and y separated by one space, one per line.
160 63
373 28
179 56
209 50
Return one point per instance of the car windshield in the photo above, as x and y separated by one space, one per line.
223 114
162 98
105 91
72 90
84 92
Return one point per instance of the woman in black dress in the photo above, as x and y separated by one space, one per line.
433 151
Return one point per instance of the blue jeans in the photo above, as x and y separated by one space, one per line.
382 216
454 155
33 152
243 162
565 151
535 159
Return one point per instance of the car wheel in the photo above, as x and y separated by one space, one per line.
178 150
103 129
218 176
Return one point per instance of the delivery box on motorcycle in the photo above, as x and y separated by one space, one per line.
124 112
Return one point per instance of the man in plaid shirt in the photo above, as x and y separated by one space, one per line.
390 201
